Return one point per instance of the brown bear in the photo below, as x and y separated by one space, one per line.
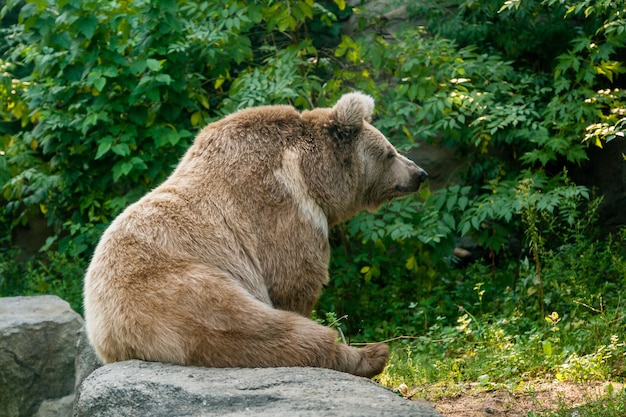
221 265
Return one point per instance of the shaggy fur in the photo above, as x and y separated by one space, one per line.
221 265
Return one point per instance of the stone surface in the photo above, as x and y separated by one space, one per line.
61 407
162 390
86 360
37 337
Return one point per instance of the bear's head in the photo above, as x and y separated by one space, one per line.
357 168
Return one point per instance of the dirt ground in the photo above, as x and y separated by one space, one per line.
538 397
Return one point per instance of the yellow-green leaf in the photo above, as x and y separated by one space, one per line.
598 142
341 4
547 347
218 84
411 263
196 118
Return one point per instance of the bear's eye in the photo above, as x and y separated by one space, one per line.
390 155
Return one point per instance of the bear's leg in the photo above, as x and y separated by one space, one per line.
238 330
267 337
214 322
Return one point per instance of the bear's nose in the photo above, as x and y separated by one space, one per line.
421 175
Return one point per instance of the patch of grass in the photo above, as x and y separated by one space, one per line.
611 404
495 353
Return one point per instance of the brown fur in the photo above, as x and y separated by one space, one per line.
221 265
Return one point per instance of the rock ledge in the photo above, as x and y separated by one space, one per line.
157 389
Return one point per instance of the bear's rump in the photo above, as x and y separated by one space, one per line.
210 321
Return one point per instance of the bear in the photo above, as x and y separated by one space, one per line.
221 265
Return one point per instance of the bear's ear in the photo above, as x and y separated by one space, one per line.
351 109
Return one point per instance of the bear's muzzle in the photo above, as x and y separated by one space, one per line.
413 178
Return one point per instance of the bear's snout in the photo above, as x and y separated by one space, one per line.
412 177
421 175
418 176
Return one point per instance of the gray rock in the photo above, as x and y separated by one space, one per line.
136 388
36 352
86 359
61 407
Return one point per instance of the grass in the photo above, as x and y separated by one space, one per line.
532 388
611 404
513 354
496 353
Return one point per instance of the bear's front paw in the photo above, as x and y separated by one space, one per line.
373 359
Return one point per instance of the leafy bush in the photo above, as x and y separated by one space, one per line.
519 124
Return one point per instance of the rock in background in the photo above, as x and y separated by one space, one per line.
136 388
37 339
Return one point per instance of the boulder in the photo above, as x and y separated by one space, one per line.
136 388
37 338
60 407
86 359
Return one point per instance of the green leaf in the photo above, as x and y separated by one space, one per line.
138 163
448 219
121 169
99 83
547 347
451 202
153 64
104 146
341 4
87 26
163 78
121 149
465 228
138 66
110 71
462 203
475 222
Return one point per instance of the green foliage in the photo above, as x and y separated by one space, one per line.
54 273
515 91
491 113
